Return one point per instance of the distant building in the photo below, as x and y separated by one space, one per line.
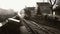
32 9
44 7
58 2
57 10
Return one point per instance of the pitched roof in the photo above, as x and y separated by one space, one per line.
43 3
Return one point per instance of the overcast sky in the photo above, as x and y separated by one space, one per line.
18 4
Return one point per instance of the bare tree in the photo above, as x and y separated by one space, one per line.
52 2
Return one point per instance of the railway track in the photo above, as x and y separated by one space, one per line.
39 29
